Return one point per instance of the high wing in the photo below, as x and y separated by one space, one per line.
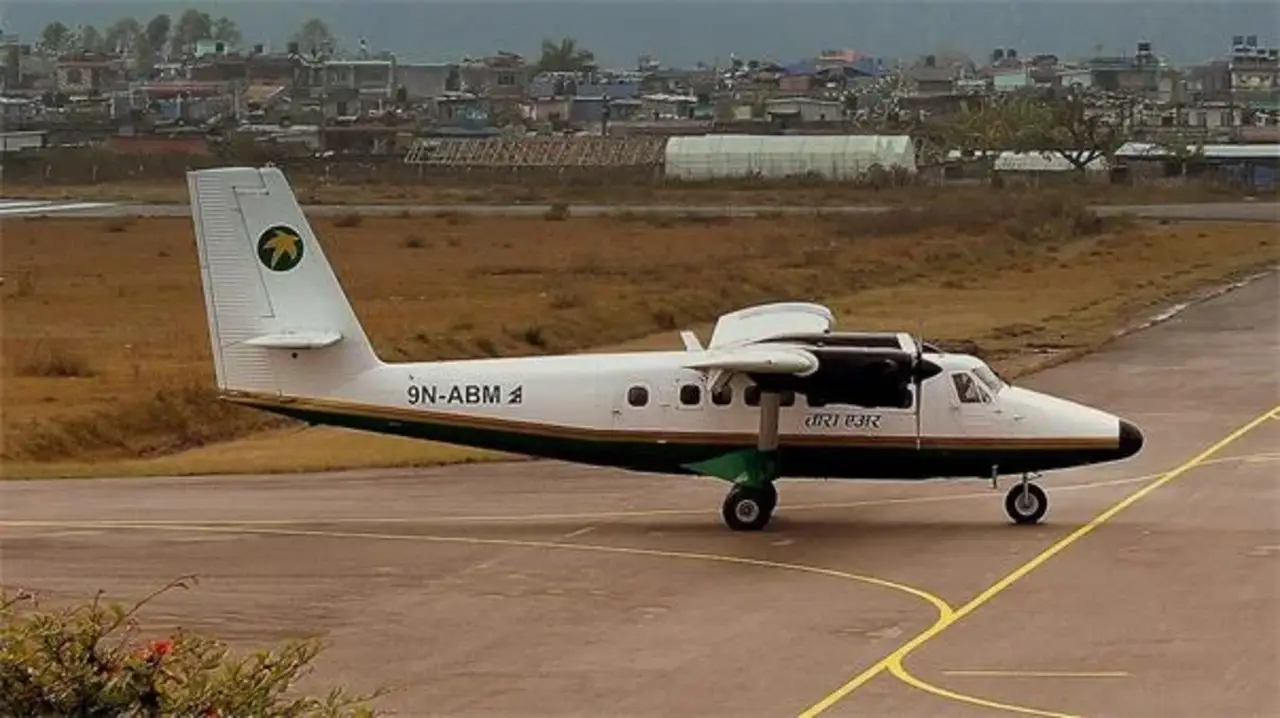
790 347
767 321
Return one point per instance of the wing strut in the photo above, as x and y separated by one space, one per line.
770 408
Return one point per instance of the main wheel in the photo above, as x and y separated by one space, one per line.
749 509
1026 506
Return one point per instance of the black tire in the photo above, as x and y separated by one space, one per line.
1036 504
747 508
769 494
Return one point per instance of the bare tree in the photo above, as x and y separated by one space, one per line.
314 37
1068 127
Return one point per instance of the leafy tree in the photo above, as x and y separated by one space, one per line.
88 660
225 30
157 33
122 35
565 56
193 26
89 39
55 39
998 123
1182 150
314 37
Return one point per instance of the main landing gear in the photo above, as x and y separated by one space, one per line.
1026 503
751 501
749 508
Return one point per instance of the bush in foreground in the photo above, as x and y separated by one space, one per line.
90 660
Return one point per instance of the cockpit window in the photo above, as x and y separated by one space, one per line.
990 378
968 390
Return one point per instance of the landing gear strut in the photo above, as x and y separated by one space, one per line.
751 501
1026 503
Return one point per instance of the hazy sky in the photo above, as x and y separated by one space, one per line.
683 32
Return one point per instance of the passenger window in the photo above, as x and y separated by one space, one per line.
968 390
722 396
690 394
814 401
752 397
637 396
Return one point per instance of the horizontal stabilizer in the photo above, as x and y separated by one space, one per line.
757 360
296 340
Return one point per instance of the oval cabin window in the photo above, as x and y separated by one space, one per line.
690 394
637 396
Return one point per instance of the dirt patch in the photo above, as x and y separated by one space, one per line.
106 355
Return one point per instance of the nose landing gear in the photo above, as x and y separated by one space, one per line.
1026 503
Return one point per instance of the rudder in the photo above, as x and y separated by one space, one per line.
279 321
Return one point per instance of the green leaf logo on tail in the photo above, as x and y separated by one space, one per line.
280 248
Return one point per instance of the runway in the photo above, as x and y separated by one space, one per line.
39 207
1214 211
538 589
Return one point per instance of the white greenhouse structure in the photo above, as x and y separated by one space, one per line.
839 157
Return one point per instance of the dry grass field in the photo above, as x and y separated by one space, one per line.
106 366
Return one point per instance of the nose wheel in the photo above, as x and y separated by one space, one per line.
1026 503
749 508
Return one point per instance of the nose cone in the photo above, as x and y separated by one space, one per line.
1131 439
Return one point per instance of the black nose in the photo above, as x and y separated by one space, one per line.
1130 439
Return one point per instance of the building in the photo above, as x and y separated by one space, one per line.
1255 166
86 73
791 110
502 78
1254 74
346 88
425 81
1137 75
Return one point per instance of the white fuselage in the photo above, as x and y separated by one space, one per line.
649 399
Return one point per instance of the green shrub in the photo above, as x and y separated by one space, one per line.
90 660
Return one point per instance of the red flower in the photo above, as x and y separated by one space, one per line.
161 648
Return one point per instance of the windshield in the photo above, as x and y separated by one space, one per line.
990 378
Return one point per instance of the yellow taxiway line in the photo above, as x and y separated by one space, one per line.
1040 674
893 662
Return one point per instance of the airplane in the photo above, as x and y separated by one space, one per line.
777 392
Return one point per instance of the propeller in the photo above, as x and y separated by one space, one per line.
917 376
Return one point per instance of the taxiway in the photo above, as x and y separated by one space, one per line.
1207 211
539 589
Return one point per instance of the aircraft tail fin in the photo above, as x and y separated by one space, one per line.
279 321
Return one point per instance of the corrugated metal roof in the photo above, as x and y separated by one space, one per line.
1149 150
1043 162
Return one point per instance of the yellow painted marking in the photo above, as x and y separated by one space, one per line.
941 606
896 669
1040 674
641 513
893 662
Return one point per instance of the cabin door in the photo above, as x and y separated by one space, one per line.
971 407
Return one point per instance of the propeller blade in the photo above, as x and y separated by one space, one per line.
916 377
